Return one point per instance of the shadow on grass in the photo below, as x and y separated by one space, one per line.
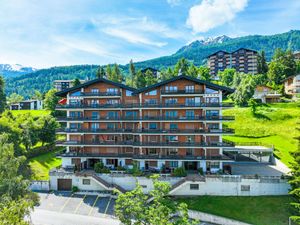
260 116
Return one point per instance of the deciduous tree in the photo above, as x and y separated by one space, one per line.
14 98
51 100
2 95
133 208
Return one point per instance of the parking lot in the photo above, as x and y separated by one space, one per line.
88 205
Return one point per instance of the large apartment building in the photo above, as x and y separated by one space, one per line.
174 123
243 60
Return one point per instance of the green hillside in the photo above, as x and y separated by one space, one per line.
195 52
274 124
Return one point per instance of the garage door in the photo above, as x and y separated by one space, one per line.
64 184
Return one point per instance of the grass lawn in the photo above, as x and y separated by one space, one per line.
274 124
32 112
261 210
40 165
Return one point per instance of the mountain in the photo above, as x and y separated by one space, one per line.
195 52
14 70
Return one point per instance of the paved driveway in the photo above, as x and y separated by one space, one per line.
66 202
65 208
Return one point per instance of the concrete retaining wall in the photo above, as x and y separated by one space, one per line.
39 185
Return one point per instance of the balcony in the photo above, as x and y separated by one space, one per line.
148 118
144 131
182 92
148 144
101 94
137 156
144 105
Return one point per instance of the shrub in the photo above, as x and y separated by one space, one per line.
75 189
201 171
98 167
179 172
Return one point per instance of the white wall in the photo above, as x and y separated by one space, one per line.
39 186
223 186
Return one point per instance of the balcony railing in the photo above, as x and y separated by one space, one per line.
130 118
178 92
87 94
143 105
148 144
143 156
151 131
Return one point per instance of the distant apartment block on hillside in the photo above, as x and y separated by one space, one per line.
62 85
297 55
243 60
31 104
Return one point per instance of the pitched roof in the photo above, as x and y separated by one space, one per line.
247 49
208 84
64 92
217 53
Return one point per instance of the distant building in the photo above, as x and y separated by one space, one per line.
62 85
31 104
297 55
155 72
292 85
266 94
243 60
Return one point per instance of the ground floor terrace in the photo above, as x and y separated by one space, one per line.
147 164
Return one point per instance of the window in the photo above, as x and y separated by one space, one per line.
190 113
74 101
173 164
86 181
173 126
143 186
212 113
190 101
194 186
171 89
112 114
245 187
95 115
212 100
152 126
220 64
110 138
109 162
213 125
95 90
75 125
112 90
151 93
95 126
214 165
75 94
128 93
172 151
152 151
172 138
171 114
75 114
151 101
211 91
171 101
110 126
131 114
190 139
112 101
94 102
189 89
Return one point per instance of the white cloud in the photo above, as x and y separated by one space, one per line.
131 37
174 2
212 13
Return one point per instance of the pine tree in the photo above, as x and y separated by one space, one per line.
140 79
108 72
76 82
182 67
116 74
149 78
132 73
2 95
100 72
262 66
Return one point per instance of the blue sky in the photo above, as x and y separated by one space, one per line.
68 32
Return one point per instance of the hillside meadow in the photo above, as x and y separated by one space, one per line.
273 124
